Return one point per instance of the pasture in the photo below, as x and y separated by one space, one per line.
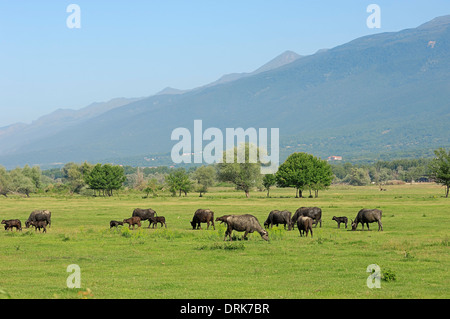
179 262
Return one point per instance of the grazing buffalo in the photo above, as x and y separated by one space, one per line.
202 216
243 223
39 215
9 224
340 220
278 217
144 214
115 223
132 221
304 224
366 216
41 224
156 220
314 212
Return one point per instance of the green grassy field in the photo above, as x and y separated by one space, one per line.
179 262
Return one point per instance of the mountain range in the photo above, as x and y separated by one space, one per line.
377 97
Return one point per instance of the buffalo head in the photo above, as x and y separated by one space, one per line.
264 235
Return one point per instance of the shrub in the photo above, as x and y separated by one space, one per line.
388 275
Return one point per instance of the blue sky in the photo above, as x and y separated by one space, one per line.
137 48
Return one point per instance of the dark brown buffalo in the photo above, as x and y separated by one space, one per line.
132 221
340 220
202 216
156 220
144 214
366 216
115 223
9 224
222 219
304 224
314 212
278 217
42 224
39 215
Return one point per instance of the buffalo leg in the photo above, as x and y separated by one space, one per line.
228 233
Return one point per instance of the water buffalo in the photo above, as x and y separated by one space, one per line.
366 216
243 223
39 215
9 224
132 221
41 224
278 217
144 214
314 212
222 219
156 220
304 224
115 223
202 216
340 220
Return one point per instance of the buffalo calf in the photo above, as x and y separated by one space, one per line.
340 220
156 220
9 224
132 221
115 223
41 224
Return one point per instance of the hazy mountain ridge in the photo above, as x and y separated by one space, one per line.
334 102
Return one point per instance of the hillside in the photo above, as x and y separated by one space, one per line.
370 98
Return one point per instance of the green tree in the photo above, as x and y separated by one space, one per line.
73 177
440 168
268 181
321 175
153 186
241 171
34 173
105 178
358 177
296 172
178 181
5 182
20 183
205 177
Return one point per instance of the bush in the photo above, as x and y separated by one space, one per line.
388 276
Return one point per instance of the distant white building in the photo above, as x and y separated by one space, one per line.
335 158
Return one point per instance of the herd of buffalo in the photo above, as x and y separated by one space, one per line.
304 218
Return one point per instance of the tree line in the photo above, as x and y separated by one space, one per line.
301 171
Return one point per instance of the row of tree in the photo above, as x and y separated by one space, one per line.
301 171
